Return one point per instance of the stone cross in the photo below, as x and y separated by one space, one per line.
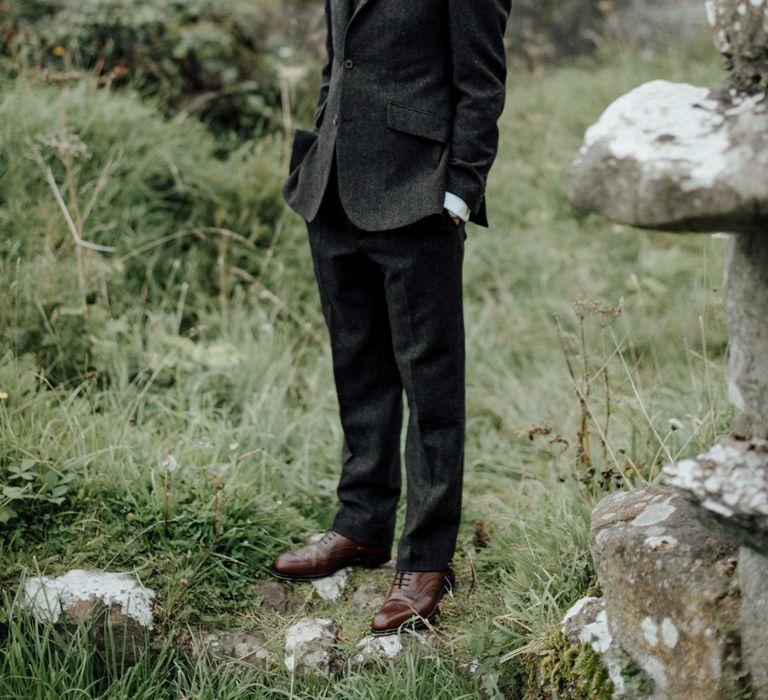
677 157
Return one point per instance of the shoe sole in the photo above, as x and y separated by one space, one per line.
362 563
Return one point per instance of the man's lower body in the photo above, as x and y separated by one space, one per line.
392 301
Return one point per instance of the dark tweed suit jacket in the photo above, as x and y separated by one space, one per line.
411 94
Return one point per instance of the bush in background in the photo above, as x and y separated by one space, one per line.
543 30
218 59
85 167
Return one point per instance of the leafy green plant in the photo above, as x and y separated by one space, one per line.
27 478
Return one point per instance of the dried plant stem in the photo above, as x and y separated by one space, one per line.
65 212
611 453
586 458
607 381
180 306
74 228
633 384
166 499
287 113
222 244
586 412
269 295
583 433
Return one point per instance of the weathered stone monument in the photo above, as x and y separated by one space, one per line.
684 569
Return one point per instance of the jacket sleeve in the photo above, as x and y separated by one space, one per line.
325 81
477 29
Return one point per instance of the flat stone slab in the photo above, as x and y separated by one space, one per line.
730 481
51 598
677 157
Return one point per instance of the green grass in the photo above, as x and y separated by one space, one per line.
220 360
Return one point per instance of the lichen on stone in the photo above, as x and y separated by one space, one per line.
730 480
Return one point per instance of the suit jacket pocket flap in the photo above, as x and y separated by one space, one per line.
302 142
417 122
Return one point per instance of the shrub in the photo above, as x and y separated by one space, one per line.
151 193
216 59
543 30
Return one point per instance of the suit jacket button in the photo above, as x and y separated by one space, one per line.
335 121
349 64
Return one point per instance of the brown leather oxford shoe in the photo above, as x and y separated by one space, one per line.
327 556
413 600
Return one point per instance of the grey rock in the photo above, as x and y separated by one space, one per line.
377 648
741 35
278 597
730 482
247 646
753 578
587 622
331 587
370 649
668 588
309 646
50 598
677 157
367 598
104 601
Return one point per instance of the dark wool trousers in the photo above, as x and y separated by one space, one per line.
393 304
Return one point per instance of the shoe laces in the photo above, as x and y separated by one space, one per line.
402 578
328 536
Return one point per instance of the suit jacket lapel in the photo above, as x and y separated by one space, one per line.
341 13
360 5
342 16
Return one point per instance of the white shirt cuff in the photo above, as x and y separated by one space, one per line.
456 206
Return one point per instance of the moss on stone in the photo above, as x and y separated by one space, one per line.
634 677
564 670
